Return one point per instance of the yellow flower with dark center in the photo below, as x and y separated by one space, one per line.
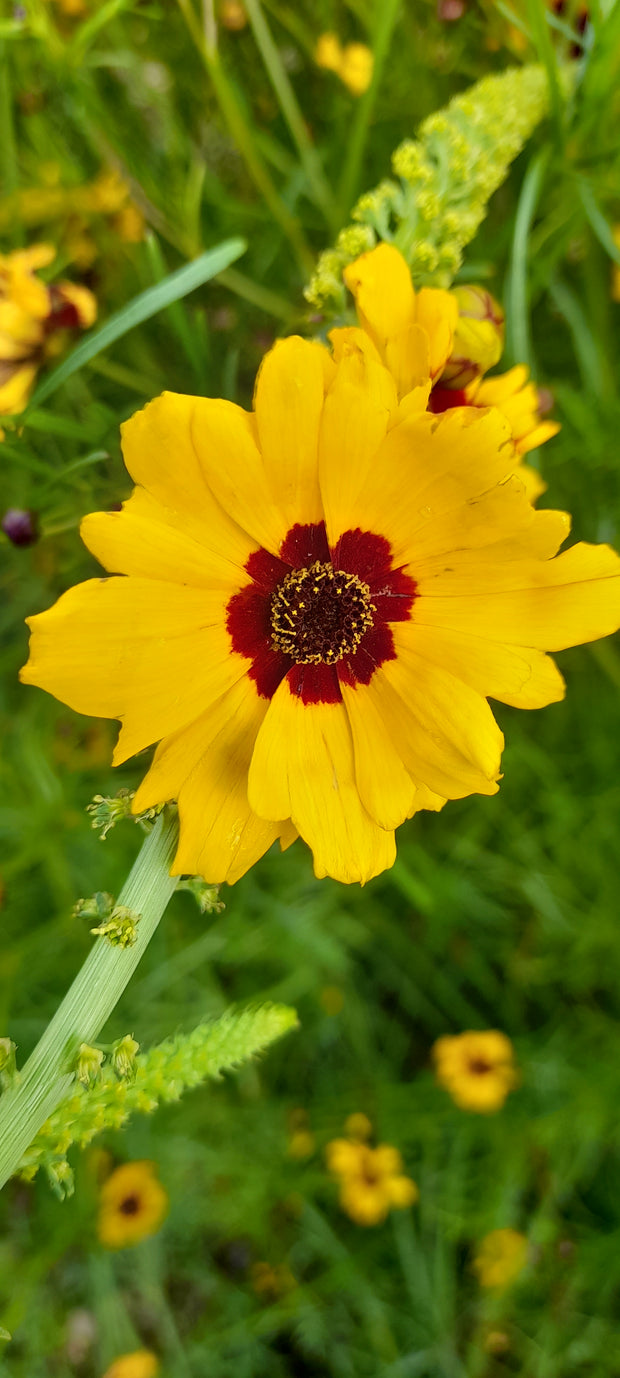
316 599
477 1069
372 1181
30 313
141 1364
435 340
132 1205
501 1256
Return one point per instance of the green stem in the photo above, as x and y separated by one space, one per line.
387 14
308 155
47 1078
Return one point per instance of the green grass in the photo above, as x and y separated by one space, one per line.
500 912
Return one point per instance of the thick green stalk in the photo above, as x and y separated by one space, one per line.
48 1074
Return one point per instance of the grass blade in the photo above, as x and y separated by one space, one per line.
147 304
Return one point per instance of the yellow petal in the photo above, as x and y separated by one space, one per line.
303 767
516 675
381 283
356 414
427 466
437 312
288 402
152 654
558 603
221 837
151 541
385 787
445 732
159 451
497 528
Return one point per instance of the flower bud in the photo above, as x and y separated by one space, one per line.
123 1056
478 337
21 526
88 1064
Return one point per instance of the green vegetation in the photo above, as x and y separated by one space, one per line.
244 160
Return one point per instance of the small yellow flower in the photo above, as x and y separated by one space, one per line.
372 1181
30 314
353 63
356 68
501 1256
232 15
477 1069
132 1205
141 1364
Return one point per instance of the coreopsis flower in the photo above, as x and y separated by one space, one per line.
446 341
142 1363
371 1180
477 1069
314 601
132 1205
500 1258
30 314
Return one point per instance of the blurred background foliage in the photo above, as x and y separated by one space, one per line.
134 135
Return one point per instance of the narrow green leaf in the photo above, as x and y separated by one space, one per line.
147 304
597 220
519 343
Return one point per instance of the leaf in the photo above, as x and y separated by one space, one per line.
147 304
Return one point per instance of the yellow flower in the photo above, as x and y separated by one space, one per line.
141 1364
316 599
477 1069
30 313
353 63
435 335
372 1181
501 1256
132 1205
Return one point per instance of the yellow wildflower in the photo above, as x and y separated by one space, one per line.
372 1181
30 313
501 1256
141 1364
353 63
450 338
315 601
132 1205
477 1069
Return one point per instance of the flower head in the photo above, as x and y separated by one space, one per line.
353 63
451 337
132 1205
372 1181
477 1069
141 1364
30 314
315 601
500 1257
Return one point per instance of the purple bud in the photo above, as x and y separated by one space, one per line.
21 526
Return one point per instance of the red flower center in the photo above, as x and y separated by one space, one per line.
319 616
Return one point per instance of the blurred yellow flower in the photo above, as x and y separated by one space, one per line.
30 314
477 1069
132 1205
372 1181
232 15
353 63
141 1364
500 1257
443 342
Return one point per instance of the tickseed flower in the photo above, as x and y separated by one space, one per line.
477 1069
316 599
501 1256
451 338
371 1180
353 63
132 1205
30 313
141 1364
